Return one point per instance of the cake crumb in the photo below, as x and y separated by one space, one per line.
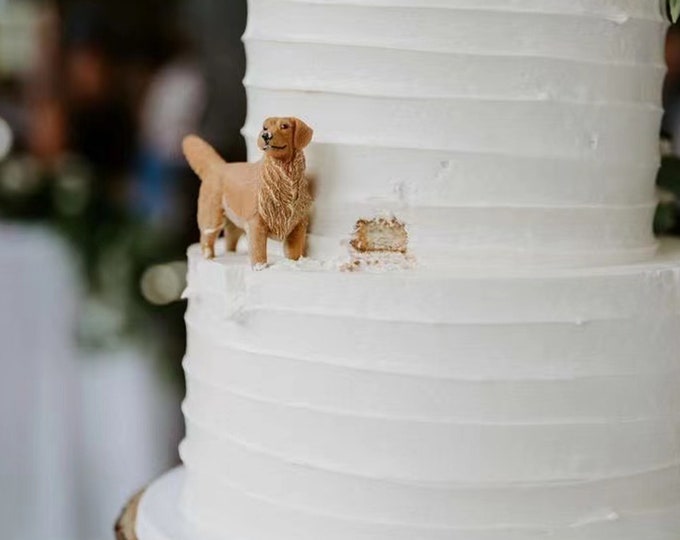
379 262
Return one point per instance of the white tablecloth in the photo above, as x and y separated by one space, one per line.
77 434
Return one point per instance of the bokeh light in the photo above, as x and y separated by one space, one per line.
6 139
164 283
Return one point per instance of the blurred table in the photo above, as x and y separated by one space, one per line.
78 433
38 386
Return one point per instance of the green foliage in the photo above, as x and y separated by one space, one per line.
112 247
674 8
667 218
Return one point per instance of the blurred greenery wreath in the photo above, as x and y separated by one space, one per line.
674 10
131 275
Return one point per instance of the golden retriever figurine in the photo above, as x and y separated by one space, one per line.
267 199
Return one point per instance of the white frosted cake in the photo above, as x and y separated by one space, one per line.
518 376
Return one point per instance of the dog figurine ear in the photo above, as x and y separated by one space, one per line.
303 134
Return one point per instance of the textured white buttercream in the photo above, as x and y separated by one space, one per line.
510 130
469 404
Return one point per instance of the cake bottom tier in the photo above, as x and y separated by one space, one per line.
427 405
160 517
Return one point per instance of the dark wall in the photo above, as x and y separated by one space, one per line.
216 27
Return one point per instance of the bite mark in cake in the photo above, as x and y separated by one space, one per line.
380 235
379 244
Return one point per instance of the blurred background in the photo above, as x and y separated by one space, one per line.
96 211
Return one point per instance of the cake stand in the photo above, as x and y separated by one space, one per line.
154 514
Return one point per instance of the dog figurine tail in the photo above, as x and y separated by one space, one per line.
203 158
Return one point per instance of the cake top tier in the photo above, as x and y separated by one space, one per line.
496 131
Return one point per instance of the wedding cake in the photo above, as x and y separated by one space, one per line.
515 374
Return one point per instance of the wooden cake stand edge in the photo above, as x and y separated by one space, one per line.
125 525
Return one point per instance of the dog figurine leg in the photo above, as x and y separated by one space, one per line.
208 238
232 235
257 242
211 219
294 245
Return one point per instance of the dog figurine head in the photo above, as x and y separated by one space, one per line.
281 137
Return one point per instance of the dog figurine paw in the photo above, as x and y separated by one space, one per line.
267 199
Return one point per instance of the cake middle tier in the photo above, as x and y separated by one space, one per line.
514 131
419 404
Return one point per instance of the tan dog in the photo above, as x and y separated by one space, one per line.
267 199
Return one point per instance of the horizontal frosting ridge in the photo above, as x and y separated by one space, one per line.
226 390
459 507
546 34
204 434
410 528
441 452
608 9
